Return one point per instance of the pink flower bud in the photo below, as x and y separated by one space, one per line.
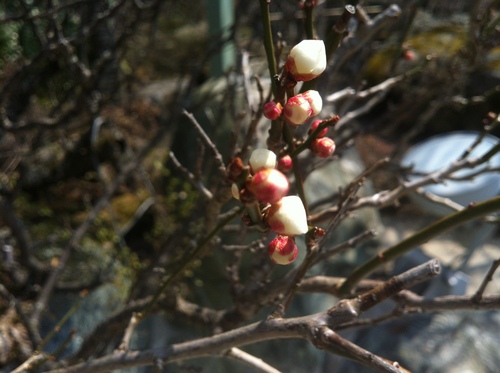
315 125
283 250
272 110
409 55
297 110
288 217
315 100
262 158
306 60
268 185
323 147
318 233
285 163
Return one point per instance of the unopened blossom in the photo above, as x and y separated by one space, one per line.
323 147
315 100
297 110
315 124
272 110
283 250
306 60
268 185
285 163
262 158
288 216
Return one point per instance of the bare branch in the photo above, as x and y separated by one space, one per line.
206 139
31 363
306 327
332 342
132 325
197 183
448 302
259 364
478 295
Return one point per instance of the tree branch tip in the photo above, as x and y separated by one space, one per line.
435 266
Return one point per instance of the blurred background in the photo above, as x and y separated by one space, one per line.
91 100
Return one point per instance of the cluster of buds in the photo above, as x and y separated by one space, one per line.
299 108
306 61
266 186
321 146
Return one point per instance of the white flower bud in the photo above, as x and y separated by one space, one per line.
315 100
323 147
283 250
288 216
297 110
306 60
262 158
268 185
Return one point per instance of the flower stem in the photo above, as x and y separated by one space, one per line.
269 43
299 184
309 19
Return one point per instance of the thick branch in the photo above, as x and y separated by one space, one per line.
451 221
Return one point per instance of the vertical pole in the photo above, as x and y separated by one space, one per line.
220 21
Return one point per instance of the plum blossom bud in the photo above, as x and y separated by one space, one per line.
323 147
288 217
306 60
262 158
297 110
285 163
317 233
234 169
409 55
315 124
315 100
283 250
272 110
268 185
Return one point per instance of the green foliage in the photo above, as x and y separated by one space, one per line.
10 49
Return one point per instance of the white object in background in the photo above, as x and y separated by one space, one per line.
439 151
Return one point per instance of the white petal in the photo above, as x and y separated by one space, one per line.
309 56
315 100
290 216
262 158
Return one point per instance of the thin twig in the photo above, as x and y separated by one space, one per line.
424 235
332 342
127 336
448 302
388 197
61 322
206 139
352 242
269 43
196 182
31 363
256 363
478 295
